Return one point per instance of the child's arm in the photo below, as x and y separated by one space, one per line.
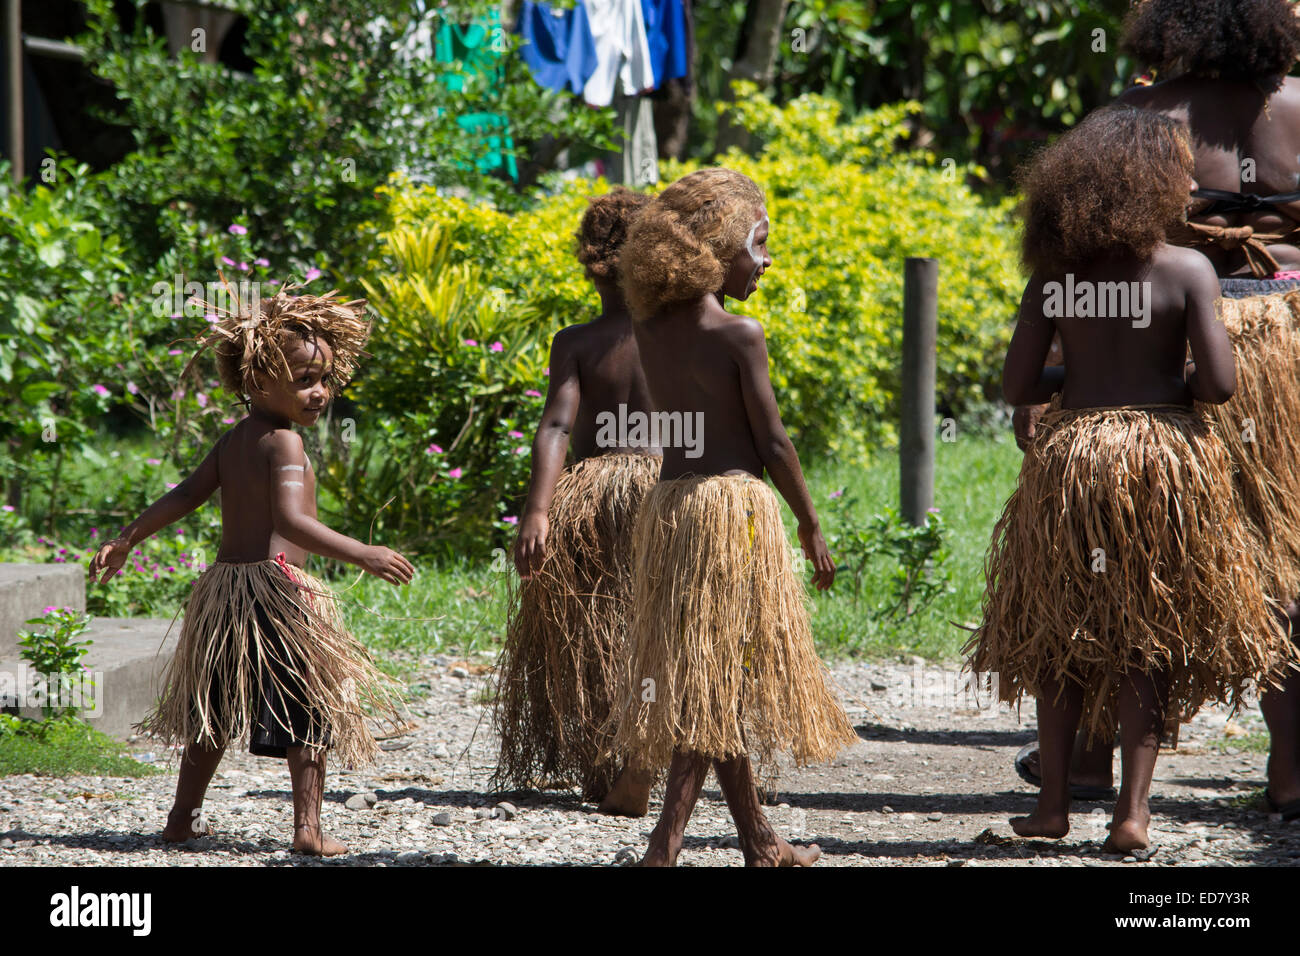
1026 379
168 509
775 448
284 461
1212 373
550 444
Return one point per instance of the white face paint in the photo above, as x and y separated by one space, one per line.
749 241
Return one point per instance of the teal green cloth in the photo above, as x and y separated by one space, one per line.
473 47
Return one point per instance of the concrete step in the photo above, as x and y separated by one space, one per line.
27 589
126 659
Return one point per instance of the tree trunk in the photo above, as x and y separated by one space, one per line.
756 49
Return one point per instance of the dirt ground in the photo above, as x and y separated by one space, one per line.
930 783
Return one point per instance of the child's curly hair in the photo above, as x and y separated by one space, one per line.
1252 40
1115 183
248 345
604 228
683 243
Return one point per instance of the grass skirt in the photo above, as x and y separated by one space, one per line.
567 632
1149 493
721 660
227 663
1260 425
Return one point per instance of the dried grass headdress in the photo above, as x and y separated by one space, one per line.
249 337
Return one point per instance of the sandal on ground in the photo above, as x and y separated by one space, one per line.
1078 791
1289 811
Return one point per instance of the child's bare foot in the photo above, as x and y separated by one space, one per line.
785 854
1039 824
185 824
629 797
312 841
1126 836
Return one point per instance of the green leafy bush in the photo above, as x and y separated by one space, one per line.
915 556
55 654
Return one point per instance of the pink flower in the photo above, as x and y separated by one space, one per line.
259 261
547 370
433 450
173 351
515 434
133 388
837 494
312 274
100 390
497 347
510 519
201 399
455 473
212 318
227 421
170 486
272 281
8 508
471 343
236 229
533 393
227 260
243 266
521 450
47 609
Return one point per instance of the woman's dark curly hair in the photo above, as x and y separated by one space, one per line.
604 228
1253 40
1113 184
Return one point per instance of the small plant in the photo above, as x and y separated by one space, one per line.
54 652
917 555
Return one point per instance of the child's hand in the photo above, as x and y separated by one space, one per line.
530 548
387 564
109 559
815 550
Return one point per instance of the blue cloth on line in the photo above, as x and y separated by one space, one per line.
665 27
560 52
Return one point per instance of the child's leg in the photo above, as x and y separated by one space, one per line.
307 773
685 781
198 764
1281 709
1142 703
630 795
758 841
1058 719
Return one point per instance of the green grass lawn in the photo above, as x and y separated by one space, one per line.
63 747
460 608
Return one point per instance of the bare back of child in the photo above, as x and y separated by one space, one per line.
1122 536
567 631
699 358
269 527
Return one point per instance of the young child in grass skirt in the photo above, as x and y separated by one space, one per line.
721 661
263 655
567 631
1122 580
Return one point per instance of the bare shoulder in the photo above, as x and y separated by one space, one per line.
281 444
739 331
1188 267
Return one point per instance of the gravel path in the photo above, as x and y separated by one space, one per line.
930 783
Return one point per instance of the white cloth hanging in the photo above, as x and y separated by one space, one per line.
622 50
